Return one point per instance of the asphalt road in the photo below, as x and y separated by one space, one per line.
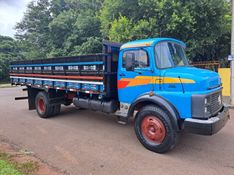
85 143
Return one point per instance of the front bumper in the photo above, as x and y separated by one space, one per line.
209 126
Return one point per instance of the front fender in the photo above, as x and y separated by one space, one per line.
161 102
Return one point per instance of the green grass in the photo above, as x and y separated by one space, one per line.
5 85
10 167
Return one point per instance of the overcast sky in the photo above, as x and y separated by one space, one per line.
11 12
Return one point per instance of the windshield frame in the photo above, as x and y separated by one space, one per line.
174 66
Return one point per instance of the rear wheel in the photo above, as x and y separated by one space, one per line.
67 102
44 109
154 129
56 109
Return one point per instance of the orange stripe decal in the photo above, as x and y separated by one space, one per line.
122 84
145 80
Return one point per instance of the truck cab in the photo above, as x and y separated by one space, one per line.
155 75
148 80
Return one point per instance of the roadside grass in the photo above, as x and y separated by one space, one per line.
8 166
5 85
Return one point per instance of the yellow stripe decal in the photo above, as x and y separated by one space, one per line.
136 45
144 80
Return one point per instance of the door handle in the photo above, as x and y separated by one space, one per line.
139 72
122 75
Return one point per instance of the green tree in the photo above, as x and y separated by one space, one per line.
75 25
9 51
113 9
92 45
211 30
33 30
204 24
67 27
121 29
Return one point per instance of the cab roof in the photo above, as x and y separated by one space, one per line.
148 42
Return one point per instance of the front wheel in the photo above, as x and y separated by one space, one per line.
154 129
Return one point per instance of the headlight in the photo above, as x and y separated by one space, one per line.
219 100
206 109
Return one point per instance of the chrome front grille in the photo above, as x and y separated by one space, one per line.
205 106
215 102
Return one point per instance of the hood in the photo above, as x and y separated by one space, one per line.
193 79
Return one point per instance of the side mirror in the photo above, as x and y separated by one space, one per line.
130 59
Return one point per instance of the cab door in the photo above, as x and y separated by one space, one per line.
134 74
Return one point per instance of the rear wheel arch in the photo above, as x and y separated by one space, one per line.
32 93
160 102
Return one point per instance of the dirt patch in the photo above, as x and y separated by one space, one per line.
25 160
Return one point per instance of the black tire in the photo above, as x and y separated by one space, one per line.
168 135
79 108
44 109
68 103
56 109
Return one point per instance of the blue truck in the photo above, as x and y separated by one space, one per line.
148 80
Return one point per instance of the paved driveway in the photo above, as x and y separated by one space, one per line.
85 142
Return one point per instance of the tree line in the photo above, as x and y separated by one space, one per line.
52 28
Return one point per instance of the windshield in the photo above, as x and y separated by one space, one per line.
169 55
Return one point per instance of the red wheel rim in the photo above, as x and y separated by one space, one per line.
41 105
153 129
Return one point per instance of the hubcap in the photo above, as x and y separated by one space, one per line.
153 129
41 105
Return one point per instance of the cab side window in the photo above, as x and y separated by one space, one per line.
140 58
